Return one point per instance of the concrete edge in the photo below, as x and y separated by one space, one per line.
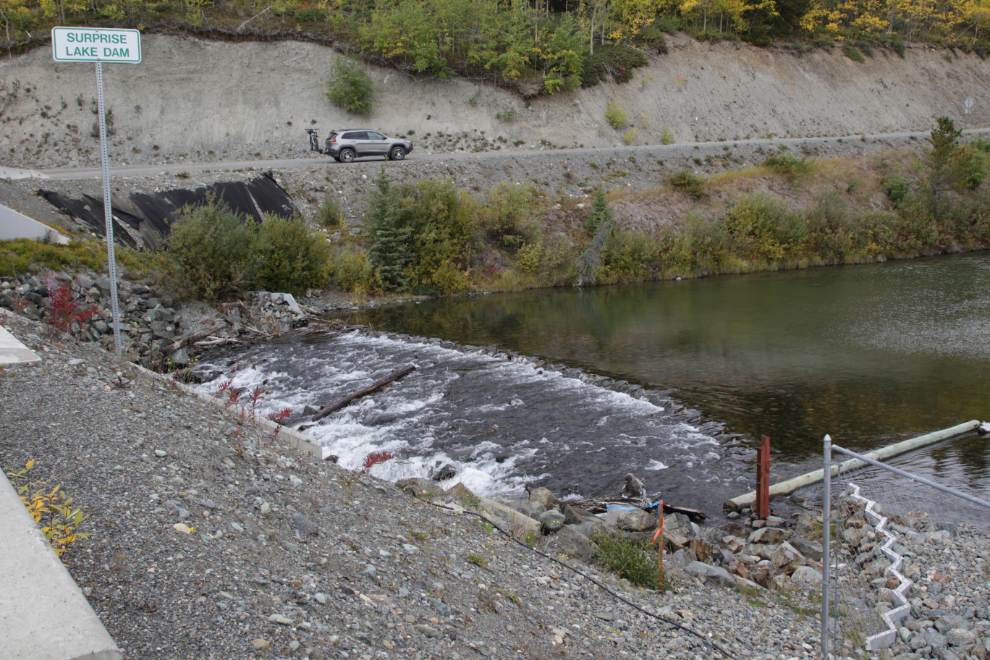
36 589
13 352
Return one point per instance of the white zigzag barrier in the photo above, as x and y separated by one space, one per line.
903 609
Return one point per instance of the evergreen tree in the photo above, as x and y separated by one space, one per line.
942 166
389 251
601 213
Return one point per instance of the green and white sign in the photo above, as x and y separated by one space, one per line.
70 44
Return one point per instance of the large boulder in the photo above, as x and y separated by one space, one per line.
677 524
544 497
716 573
637 521
551 521
770 535
810 549
574 544
590 527
806 576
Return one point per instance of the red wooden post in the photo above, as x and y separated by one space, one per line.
763 479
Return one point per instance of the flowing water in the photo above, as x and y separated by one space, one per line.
868 354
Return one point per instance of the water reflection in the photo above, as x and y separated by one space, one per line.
869 354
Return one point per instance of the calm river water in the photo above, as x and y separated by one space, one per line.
869 354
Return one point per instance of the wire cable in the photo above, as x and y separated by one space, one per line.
711 644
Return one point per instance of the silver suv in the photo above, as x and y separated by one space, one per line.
349 143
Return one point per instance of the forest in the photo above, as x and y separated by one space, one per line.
538 46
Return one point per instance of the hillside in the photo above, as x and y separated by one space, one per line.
193 101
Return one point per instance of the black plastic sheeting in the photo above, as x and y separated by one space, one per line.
152 215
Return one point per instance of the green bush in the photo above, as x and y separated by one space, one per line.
615 61
896 188
505 216
349 268
638 563
210 252
289 257
666 135
615 116
853 53
630 254
311 15
689 182
762 228
330 215
973 166
789 166
350 87
831 232
440 230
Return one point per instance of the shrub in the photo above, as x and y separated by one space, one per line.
600 214
65 309
630 560
972 165
615 116
630 136
350 87
25 255
690 183
853 53
896 188
51 510
898 45
763 228
504 217
349 268
629 254
610 61
210 252
666 135
831 233
311 15
440 230
330 215
290 258
789 166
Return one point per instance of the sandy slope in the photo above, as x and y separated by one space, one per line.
191 97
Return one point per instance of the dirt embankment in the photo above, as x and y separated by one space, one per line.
193 101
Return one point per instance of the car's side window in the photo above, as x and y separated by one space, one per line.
351 136
375 136
361 135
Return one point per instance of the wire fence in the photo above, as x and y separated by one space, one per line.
883 531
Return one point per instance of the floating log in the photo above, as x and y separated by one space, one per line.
364 391
192 338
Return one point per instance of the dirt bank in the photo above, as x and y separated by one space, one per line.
208 101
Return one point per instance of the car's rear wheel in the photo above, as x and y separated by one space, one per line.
346 155
397 153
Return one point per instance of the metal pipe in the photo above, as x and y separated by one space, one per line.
912 477
789 486
826 533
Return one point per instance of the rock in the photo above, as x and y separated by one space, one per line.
786 556
677 524
303 524
161 453
370 572
574 544
805 575
960 637
810 549
181 358
544 497
713 572
427 630
735 529
634 487
637 521
589 527
279 619
446 472
260 644
770 535
575 516
551 521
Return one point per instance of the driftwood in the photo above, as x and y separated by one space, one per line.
364 391
192 338
601 504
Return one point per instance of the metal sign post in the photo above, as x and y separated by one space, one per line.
101 45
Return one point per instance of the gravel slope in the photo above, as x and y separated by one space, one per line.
278 562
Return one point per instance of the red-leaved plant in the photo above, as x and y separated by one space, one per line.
376 457
277 417
65 308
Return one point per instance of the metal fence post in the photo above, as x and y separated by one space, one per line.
826 533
